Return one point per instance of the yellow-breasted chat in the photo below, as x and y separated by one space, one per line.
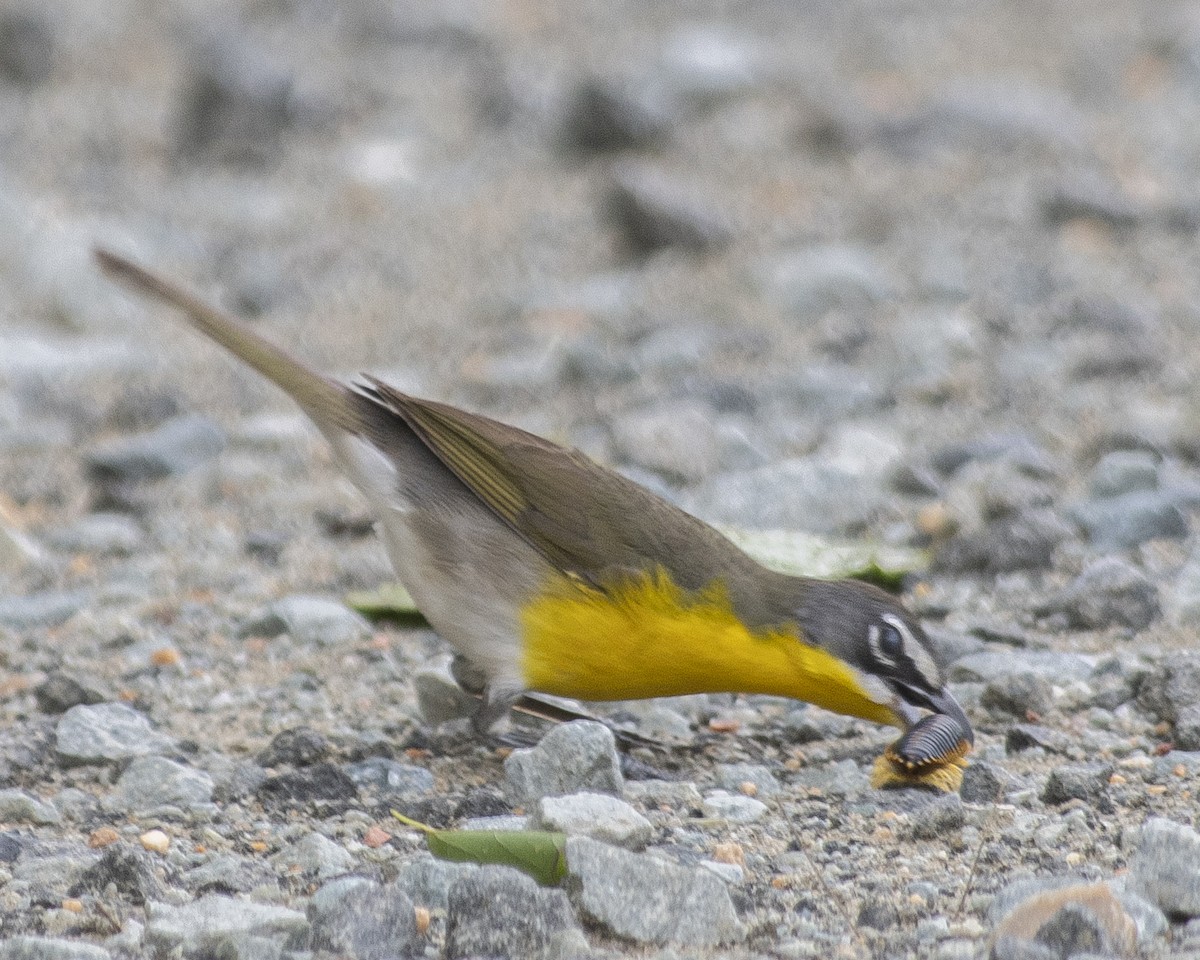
550 573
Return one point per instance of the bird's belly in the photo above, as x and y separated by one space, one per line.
647 638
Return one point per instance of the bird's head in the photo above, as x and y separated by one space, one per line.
872 632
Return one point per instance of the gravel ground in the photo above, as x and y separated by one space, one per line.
924 273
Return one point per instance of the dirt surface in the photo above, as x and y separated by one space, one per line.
923 273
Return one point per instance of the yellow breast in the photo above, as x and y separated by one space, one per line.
648 638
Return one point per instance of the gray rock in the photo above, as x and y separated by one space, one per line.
1028 736
236 104
107 733
937 818
983 783
1088 198
55 873
1017 449
99 533
314 855
427 882
240 946
1018 694
197 926
59 692
50 948
617 114
810 282
150 782
309 620
1108 592
367 922
1165 869
594 815
844 778
1076 782
803 493
48 608
733 776
1121 523
709 63
1187 728
1024 540
228 873
989 665
1124 471
1182 602
128 870
27 45
17 806
296 747
1073 931
676 440
653 210
439 697
176 447
500 912
648 900
1015 948
1171 686
572 758
390 776
733 807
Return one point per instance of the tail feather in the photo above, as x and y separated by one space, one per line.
327 402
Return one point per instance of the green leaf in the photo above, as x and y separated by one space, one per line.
808 555
387 602
539 853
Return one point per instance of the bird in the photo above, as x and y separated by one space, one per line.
550 573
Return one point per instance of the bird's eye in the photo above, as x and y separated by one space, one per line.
891 641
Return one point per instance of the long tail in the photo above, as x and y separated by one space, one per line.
327 402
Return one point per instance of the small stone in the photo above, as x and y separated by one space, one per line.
500 912
808 283
439 697
1171 686
126 870
368 923
101 534
1018 694
940 816
1029 736
649 900
983 783
309 620
1023 540
1109 592
107 733
17 806
26 47
298 747
1187 728
314 855
653 210
571 758
102 837
59 692
176 447
1089 198
320 782
390 776
427 882
151 782
10 847
1076 782
989 665
236 105
617 114
1165 869
878 914
199 925
1123 522
155 841
229 873
50 948
1124 471
735 776
594 815
733 807
47 608
707 63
